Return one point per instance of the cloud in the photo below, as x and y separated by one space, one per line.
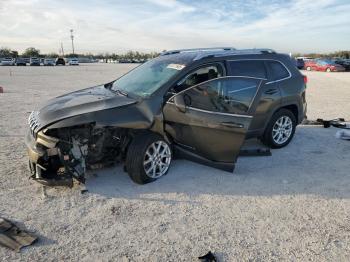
154 25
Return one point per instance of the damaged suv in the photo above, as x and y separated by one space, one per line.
197 104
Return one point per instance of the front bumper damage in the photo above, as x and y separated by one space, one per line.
49 165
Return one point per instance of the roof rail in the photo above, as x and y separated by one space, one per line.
170 52
253 51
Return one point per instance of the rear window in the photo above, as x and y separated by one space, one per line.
278 71
252 68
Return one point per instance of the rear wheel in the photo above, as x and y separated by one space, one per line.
280 130
308 68
148 158
328 70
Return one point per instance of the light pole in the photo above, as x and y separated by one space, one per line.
72 37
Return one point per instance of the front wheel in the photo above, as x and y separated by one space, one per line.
328 70
308 68
148 158
280 130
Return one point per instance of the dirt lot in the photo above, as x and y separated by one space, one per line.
294 205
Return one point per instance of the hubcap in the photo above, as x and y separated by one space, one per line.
157 159
282 130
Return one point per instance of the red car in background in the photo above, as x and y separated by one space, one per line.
323 65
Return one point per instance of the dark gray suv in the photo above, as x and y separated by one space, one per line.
198 104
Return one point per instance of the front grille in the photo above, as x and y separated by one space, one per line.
34 123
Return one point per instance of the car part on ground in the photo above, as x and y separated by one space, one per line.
13 237
337 122
209 257
343 134
196 104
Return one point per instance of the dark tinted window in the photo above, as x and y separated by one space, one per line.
253 68
278 71
227 95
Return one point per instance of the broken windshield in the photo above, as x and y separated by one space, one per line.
150 76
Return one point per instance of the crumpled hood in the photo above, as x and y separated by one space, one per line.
79 102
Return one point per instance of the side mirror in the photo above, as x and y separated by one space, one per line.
180 103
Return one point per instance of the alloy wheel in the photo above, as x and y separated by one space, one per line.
157 159
282 130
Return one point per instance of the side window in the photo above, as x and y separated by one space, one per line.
278 71
198 76
252 68
226 95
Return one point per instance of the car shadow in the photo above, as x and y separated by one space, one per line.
315 163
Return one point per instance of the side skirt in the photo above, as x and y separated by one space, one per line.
185 154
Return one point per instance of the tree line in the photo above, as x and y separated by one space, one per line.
133 55
34 52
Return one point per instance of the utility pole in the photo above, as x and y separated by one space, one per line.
72 37
62 49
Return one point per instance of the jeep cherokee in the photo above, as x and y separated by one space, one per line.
198 104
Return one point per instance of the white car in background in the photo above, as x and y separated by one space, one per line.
8 61
49 62
73 61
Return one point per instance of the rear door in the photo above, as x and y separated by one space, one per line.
216 117
270 92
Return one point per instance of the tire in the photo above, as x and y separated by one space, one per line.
308 68
276 136
139 158
328 70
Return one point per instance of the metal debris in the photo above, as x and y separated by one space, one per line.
209 257
13 237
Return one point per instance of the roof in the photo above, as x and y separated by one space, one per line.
218 52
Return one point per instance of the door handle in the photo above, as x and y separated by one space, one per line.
271 91
232 124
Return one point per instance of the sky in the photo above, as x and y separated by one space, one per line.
154 25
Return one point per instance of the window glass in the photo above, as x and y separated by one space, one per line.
200 75
226 95
150 76
252 68
278 71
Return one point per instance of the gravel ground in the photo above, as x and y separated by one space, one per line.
291 206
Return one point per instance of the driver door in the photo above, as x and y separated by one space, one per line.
209 121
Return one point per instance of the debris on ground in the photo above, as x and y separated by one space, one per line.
209 257
13 237
343 134
338 122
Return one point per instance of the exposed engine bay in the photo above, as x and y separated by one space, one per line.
67 153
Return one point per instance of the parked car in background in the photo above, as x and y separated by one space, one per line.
8 61
73 61
60 61
343 62
21 61
300 63
49 62
199 104
34 61
323 65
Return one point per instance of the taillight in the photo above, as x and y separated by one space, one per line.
305 79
